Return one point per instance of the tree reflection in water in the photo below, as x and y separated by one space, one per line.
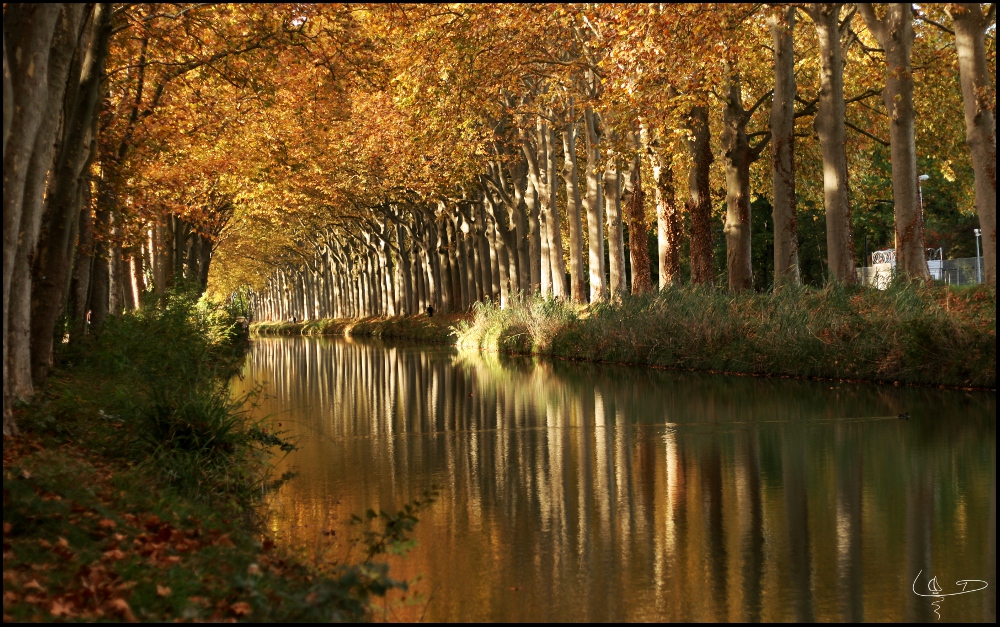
584 492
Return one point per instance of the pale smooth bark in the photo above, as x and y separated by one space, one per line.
26 93
483 251
782 122
491 243
894 33
18 364
616 239
830 129
979 99
32 27
594 204
66 190
403 268
534 237
552 228
578 291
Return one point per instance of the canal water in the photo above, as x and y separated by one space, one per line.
581 492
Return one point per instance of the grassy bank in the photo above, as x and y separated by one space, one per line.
438 329
929 335
135 488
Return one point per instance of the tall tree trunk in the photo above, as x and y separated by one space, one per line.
494 253
138 278
736 156
616 237
668 224
786 247
534 239
404 271
545 288
593 202
578 287
552 229
82 272
128 284
449 297
67 189
635 209
116 272
483 251
17 329
205 250
502 239
101 274
32 28
700 202
457 273
895 34
979 99
26 87
829 125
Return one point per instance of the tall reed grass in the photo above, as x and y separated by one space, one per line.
910 333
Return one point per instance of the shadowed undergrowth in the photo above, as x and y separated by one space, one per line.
908 334
136 487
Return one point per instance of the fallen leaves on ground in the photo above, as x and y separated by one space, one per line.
46 576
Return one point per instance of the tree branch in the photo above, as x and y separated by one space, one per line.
924 18
865 133
759 102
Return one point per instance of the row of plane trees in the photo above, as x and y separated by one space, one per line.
518 230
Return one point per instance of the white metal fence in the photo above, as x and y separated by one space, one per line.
965 271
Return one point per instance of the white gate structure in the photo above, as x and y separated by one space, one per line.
883 267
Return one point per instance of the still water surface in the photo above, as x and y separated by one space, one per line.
592 493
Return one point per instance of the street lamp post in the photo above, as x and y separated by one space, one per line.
979 268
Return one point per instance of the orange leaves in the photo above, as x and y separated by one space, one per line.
240 608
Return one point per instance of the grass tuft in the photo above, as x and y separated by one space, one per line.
910 333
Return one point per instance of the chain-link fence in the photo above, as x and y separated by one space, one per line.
964 271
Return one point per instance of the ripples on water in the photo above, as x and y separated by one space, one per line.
583 492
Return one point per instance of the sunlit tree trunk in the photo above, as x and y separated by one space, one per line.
553 231
668 224
492 251
635 210
782 122
616 238
736 155
594 204
979 100
138 277
829 125
895 34
578 288
534 238
699 203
